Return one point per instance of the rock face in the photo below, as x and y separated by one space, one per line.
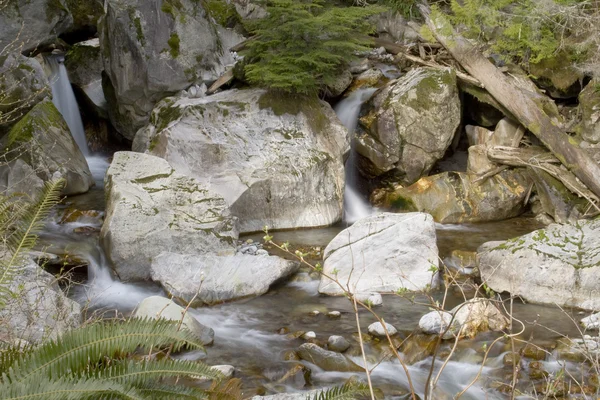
23 82
409 124
156 307
559 264
327 360
255 150
214 279
38 310
42 139
152 51
152 209
382 253
589 109
451 197
34 22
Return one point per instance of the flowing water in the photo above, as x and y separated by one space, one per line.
252 334
356 205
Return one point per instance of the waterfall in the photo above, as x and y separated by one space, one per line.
347 110
64 100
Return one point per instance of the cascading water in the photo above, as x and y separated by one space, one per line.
64 100
347 110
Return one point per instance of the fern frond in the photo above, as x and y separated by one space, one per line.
135 373
162 391
23 235
65 389
228 390
79 348
349 391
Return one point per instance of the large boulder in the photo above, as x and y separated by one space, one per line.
559 264
37 309
158 307
152 51
382 253
255 149
589 112
409 124
151 209
451 197
29 24
211 278
42 139
23 84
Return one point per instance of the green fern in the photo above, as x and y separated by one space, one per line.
349 391
20 222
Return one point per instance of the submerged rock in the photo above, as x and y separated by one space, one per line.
409 124
382 253
157 307
42 139
152 209
327 360
152 51
451 197
212 278
37 310
255 149
558 264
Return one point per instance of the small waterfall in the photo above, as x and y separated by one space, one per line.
64 100
347 110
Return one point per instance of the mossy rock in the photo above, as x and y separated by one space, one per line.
557 75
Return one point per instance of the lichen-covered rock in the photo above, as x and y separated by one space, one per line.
38 309
559 264
23 84
151 209
327 360
382 253
451 197
255 149
589 110
84 64
213 278
158 307
409 124
86 14
42 139
29 24
153 50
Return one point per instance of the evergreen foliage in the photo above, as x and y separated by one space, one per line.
303 45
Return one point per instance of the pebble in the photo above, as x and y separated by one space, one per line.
314 313
309 335
334 314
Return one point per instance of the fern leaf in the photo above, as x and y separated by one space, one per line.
349 391
228 390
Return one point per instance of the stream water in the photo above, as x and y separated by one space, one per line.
252 335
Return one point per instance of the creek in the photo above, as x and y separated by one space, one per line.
254 335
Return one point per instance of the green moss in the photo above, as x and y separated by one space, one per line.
174 44
223 12
81 55
283 103
137 24
166 114
404 204
42 116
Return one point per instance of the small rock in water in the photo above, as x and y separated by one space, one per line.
334 314
262 252
376 329
436 322
374 299
314 313
591 322
309 335
337 343
283 330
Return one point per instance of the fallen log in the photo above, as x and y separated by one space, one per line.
525 107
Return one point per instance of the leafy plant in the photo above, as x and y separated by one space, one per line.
303 46
349 391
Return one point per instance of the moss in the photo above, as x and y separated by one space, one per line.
223 12
85 12
404 204
174 44
81 55
281 103
166 114
42 116
137 24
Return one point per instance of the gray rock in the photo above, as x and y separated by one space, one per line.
478 162
382 253
23 84
157 307
42 139
558 264
38 310
334 314
591 322
478 135
226 370
327 360
249 9
309 335
409 124
376 329
17 177
152 209
152 51
589 109
212 278
236 143
337 343
436 322
344 79
29 24
507 133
